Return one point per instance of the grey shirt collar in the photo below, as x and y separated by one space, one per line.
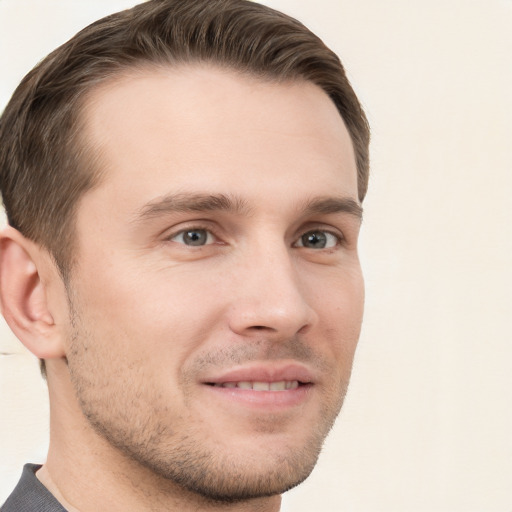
30 495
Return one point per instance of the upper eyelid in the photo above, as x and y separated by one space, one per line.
169 233
209 234
346 226
321 226
215 230
339 236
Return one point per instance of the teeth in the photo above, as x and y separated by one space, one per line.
261 386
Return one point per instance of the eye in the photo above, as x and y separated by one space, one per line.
318 239
193 237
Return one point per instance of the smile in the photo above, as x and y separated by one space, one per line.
281 385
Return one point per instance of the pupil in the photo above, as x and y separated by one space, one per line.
195 237
316 239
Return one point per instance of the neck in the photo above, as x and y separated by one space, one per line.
85 473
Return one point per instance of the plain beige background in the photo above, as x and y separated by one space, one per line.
427 425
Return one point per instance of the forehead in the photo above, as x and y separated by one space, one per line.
209 128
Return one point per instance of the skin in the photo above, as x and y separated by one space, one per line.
272 291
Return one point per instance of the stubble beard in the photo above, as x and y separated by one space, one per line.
181 459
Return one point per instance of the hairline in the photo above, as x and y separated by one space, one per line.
88 153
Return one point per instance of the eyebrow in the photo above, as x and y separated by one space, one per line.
329 205
187 202
184 203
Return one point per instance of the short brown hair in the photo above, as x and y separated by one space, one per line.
45 166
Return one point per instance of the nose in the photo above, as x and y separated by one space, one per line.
272 298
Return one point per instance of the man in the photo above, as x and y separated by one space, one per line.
183 183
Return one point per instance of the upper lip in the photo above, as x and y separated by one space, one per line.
264 372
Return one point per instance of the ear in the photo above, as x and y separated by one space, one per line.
23 295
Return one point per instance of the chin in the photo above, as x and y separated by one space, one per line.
231 481
224 474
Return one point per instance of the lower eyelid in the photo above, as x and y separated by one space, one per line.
338 238
210 238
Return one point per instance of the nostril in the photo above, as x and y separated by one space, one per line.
304 330
262 328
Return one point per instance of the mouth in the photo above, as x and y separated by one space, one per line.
277 376
271 386
281 385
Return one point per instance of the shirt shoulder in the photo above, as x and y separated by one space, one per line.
30 495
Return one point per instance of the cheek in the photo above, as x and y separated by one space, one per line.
340 312
149 314
340 293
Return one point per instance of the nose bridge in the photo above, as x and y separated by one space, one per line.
271 296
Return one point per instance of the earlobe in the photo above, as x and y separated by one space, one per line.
23 296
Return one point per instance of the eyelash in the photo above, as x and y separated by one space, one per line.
211 237
336 238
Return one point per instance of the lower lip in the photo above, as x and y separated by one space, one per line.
274 400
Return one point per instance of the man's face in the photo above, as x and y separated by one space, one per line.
218 296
